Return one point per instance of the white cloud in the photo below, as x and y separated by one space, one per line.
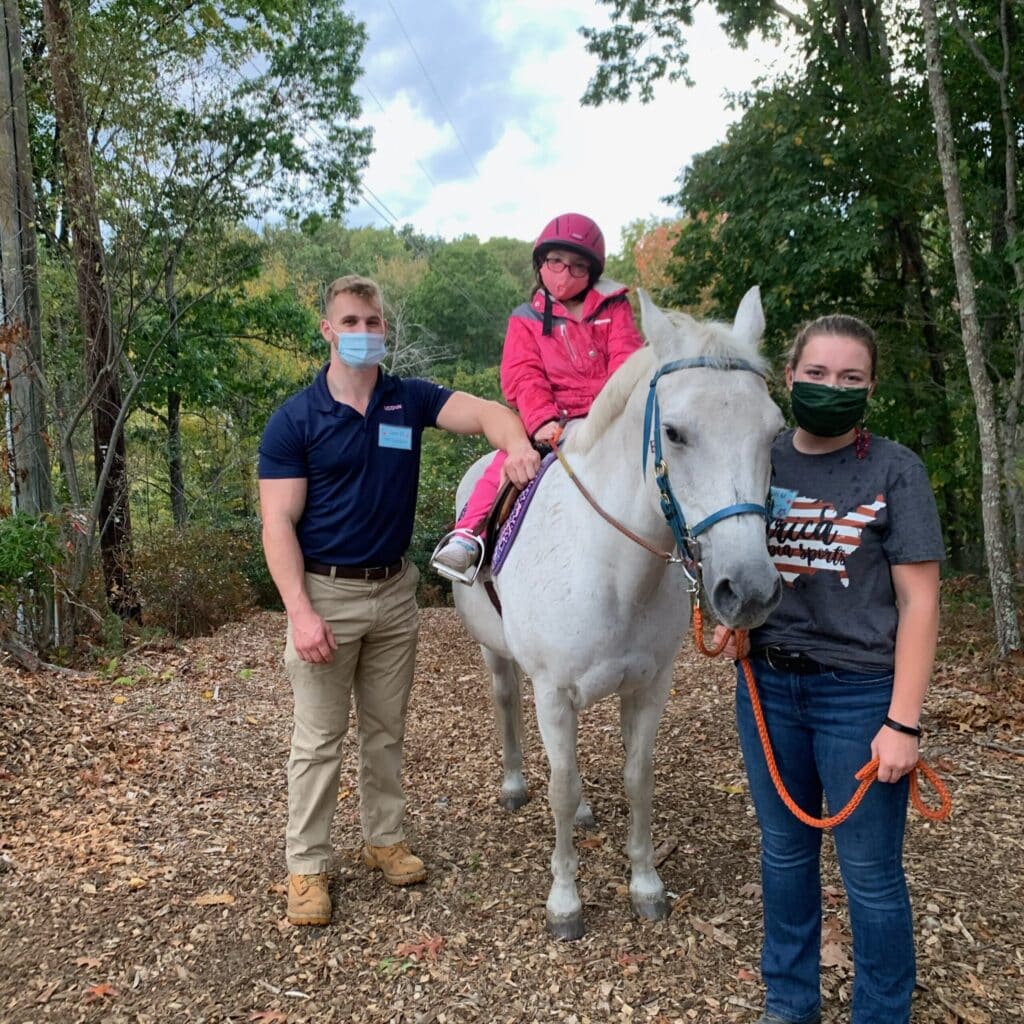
614 162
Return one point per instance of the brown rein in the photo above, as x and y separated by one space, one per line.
665 556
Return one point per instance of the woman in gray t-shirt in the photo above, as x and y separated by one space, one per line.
842 667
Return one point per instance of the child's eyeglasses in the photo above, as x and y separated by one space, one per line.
575 269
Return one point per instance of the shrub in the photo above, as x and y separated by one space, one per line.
29 550
193 580
29 553
247 534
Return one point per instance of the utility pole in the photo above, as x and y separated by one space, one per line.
24 417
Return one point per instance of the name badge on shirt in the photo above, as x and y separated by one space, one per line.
391 436
780 501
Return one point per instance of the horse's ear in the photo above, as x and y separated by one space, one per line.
749 323
658 329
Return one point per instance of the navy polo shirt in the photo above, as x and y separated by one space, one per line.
362 472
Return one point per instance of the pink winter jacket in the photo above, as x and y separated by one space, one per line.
548 378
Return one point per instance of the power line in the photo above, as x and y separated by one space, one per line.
419 164
389 218
433 89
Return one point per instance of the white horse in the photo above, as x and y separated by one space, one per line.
586 611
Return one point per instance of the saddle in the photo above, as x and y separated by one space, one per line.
492 523
507 516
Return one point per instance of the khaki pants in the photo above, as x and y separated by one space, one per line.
375 626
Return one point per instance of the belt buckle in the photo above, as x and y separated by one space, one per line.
366 574
783 661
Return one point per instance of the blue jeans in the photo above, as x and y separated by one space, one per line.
821 726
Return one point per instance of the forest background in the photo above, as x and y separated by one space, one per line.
175 177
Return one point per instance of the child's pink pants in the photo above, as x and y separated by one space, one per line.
484 493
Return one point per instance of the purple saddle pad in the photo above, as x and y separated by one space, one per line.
510 529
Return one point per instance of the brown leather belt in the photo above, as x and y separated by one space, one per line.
354 572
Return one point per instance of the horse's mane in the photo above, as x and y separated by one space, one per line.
711 339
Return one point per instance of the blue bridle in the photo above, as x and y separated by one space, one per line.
683 535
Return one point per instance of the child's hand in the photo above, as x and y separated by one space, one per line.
546 432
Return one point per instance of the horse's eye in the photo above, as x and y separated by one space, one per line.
675 436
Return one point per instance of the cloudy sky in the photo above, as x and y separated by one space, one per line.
478 126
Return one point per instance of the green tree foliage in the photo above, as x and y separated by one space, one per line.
465 299
30 555
201 117
826 192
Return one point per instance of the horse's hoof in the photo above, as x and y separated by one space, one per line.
514 800
651 908
585 817
567 929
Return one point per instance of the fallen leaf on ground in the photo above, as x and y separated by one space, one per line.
211 899
664 850
722 937
44 997
427 949
103 991
630 959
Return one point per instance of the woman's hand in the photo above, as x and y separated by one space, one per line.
897 753
730 649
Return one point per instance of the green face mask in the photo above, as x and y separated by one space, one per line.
825 411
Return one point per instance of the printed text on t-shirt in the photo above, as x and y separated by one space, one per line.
812 537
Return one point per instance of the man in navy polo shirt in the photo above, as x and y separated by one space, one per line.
339 470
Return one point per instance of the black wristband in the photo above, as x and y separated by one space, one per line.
900 727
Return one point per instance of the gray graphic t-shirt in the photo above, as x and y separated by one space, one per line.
836 524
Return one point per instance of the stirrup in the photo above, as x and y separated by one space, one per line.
470 574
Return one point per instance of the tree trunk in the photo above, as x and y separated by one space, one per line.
112 515
20 334
1000 576
915 267
1013 441
175 471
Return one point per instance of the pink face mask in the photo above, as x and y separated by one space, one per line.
563 286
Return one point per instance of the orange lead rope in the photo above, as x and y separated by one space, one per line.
866 775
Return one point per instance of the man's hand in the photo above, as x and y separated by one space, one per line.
522 464
312 638
546 432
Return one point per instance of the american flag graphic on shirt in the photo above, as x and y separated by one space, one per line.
807 536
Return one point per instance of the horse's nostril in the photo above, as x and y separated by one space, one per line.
724 597
744 607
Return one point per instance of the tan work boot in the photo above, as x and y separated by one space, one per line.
308 901
400 865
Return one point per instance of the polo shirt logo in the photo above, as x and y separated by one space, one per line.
393 408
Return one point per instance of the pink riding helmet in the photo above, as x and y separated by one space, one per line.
575 232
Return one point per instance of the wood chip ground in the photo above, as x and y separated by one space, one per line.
142 812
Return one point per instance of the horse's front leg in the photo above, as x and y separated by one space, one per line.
640 714
557 719
508 717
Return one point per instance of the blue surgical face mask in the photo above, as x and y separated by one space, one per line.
360 349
